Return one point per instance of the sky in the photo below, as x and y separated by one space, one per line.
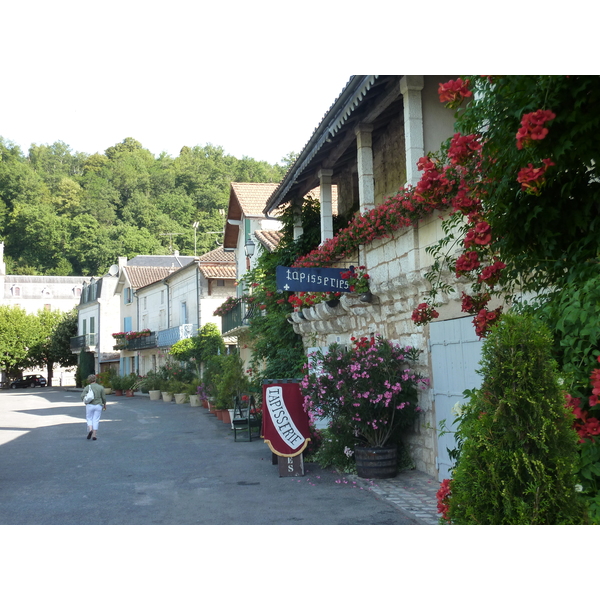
255 78
91 74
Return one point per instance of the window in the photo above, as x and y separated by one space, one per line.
92 324
183 314
16 291
84 328
77 292
128 296
145 303
162 296
220 283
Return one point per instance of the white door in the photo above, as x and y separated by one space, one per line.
455 355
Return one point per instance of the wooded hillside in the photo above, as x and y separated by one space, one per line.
67 213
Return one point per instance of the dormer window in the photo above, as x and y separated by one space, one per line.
77 291
16 291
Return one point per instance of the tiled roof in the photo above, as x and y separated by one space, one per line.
268 238
218 264
218 272
218 255
171 260
142 276
253 196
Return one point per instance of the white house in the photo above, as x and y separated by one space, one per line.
107 306
172 304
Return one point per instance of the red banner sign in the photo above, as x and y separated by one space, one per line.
285 424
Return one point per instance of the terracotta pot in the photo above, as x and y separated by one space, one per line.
129 393
219 413
118 392
226 416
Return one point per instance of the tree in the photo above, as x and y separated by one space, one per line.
51 344
518 449
18 332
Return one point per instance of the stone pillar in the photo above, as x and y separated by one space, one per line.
364 148
410 88
326 209
297 216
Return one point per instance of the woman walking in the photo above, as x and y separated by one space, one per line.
95 407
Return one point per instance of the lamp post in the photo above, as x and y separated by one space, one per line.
249 247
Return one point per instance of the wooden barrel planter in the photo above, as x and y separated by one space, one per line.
376 463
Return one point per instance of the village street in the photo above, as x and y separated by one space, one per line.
158 463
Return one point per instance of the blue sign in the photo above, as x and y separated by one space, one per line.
317 279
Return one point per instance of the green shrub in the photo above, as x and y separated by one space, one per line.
518 450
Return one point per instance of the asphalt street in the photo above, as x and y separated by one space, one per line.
158 463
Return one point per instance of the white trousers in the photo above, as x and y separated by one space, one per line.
92 415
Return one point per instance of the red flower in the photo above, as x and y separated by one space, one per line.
592 426
481 235
485 319
532 127
462 147
473 304
424 313
532 178
443 498
491 275
454 92
467 262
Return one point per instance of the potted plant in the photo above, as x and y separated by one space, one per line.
179 390
358 282
130 383
116 383
371 389
192 392
104 378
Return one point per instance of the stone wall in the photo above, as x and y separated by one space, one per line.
396 266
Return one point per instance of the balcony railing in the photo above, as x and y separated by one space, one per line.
140 343
239 316
84 341
167 337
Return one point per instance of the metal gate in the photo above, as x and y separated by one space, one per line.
455 355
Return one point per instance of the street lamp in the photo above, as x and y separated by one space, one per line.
249 247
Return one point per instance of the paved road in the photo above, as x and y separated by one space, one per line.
157 463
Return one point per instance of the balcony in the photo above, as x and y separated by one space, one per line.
84 342
167 337
141 343
238 318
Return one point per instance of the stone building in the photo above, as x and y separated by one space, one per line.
368 145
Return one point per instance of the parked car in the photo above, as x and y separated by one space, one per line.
29 381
